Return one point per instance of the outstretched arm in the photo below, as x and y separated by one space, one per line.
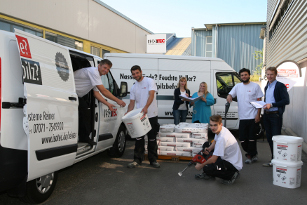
102 100
109 95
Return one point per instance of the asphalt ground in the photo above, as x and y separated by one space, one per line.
104 180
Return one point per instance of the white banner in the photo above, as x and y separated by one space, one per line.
156 43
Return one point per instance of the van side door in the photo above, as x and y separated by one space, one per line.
51 111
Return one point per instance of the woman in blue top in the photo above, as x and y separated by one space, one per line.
201 108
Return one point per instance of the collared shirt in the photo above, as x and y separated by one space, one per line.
269 95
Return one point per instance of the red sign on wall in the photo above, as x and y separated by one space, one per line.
24 47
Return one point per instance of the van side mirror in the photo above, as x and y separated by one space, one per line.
123 89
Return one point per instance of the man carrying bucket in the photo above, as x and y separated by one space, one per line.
143 95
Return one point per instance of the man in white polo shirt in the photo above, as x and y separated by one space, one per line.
226 160
87 79
143 95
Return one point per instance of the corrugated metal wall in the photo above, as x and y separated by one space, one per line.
236 44
199 42
289 41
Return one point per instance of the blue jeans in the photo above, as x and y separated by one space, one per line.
180 116
272 124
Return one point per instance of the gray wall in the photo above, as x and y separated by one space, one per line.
289 42
235 44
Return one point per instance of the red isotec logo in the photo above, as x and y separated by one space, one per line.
156 41
24 47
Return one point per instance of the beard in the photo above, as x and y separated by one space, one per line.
246 81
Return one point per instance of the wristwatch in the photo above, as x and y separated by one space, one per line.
271 105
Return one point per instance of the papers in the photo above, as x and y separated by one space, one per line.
190 99
258 104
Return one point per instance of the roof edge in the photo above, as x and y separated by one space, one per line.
209 26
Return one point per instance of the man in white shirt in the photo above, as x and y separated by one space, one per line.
143 95
226 160
87 79
247 92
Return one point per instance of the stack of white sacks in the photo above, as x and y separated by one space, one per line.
287 164
184 139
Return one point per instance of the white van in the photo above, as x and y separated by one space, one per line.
166 70
39 114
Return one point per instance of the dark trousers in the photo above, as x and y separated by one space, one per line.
221 169
247 137
272 125
84 120
152 143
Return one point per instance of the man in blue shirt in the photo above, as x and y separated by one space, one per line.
276 98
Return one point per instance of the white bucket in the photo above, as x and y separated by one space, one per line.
137 124
287 174
287 148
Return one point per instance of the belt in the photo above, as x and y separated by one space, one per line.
272 112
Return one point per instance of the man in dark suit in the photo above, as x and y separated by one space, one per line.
276 99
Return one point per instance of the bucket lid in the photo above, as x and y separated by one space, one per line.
286 164
133 114
287 139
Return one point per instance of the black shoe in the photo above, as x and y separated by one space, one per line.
155 164
235 176
203 176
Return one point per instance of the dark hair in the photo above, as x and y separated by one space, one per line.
245 70
136 67
105 61
272 69
216 118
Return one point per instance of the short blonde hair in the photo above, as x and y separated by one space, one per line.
186 83
272 69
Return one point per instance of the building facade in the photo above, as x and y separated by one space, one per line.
88 25
286 40
235 43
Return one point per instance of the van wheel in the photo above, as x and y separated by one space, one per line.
40 189
119 145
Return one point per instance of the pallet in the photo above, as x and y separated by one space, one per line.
170 157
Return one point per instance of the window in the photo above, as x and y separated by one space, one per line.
95 51
63 40
208 46
109 83
10 26
225 82
104 51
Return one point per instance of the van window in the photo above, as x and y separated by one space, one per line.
225 82
109 83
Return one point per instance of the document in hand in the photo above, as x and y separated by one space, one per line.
190 99
258 104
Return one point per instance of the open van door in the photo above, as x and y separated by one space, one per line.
51 105
224 82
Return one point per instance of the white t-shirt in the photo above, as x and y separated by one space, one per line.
140 93
183 105
86 79
228 149
246 94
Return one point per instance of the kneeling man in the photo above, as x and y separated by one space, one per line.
226 161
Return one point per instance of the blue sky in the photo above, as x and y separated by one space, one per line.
179 16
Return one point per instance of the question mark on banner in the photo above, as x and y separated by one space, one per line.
194 77
156 76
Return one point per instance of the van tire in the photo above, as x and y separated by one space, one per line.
35 193
119 145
